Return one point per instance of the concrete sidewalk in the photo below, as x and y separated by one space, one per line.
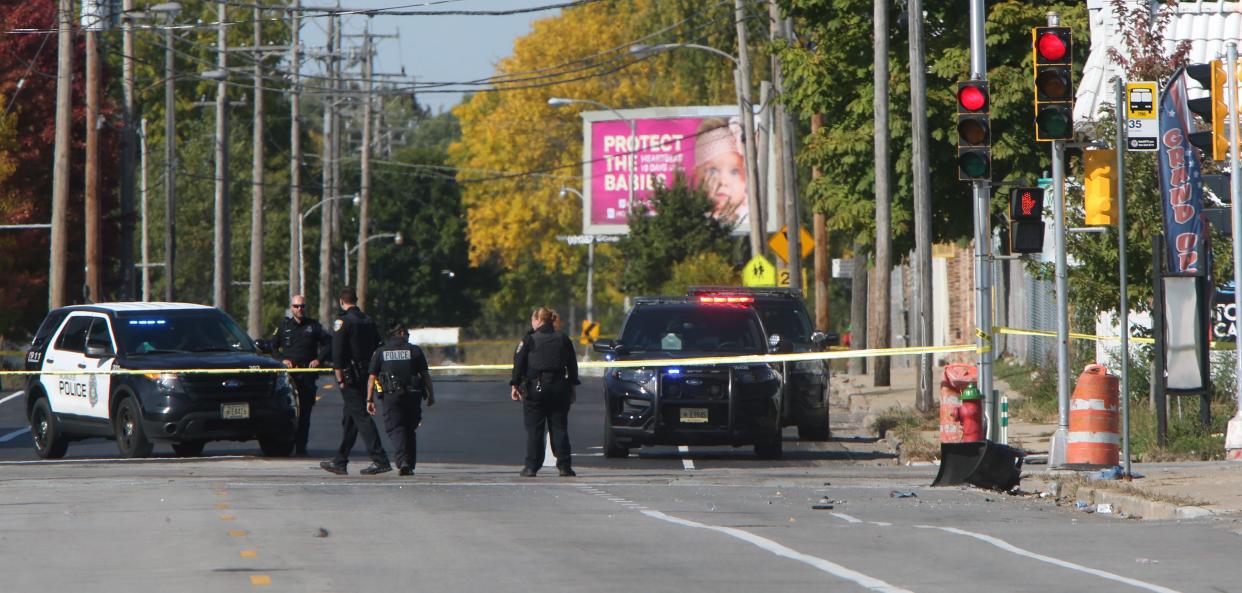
1165 490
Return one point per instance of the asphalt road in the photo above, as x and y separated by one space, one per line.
710 519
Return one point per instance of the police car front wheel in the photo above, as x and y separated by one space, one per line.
49 442
131 439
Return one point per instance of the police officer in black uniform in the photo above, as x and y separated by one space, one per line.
545 373
399 376
300 342
354 340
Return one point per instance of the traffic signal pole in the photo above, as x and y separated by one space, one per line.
983 238
1056 452
1123 312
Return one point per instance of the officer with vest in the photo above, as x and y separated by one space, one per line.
400 378
354 340
300 342
545 373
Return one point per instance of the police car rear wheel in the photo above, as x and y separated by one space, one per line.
49 443
815 430
131 439
189 448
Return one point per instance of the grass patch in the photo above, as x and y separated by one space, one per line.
908 427
1033 396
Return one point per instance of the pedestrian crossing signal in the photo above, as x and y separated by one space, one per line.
1026 220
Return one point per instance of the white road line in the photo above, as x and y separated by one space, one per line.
12 435
686 462
827 566
881 524
1008 547
12 396
846 518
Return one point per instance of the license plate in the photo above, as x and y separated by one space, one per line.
694 415
235 411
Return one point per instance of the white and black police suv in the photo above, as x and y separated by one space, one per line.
186 410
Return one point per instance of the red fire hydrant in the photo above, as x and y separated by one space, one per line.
971 415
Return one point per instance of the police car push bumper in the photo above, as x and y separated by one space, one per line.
693 406
180 408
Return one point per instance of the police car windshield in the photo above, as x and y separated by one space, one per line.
694 328
181 331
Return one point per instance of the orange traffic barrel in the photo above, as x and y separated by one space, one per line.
1094 436
956 378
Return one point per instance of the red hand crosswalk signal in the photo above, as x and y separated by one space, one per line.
974 131
1053 49
1026 220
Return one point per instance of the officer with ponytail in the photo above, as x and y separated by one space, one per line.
545 374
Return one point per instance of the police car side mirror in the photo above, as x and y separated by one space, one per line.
264 346
610 347
98 351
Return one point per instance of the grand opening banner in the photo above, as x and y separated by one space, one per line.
622 165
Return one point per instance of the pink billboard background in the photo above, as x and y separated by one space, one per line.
707 150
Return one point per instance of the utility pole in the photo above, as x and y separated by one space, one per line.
146 261
128 112
94 262
823 263
365 189
792 221
222 273
329 140
858 310
776 132
170 183
295 147
922 188
882 332
60 161
748 130
254 310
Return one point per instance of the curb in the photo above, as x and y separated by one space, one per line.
1148 510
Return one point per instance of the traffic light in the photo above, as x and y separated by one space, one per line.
1213 109
1100 186
1026 220
1054 83
974 131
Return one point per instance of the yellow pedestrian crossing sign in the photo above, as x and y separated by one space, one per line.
759 272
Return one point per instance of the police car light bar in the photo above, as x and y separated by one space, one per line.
723 299
146 322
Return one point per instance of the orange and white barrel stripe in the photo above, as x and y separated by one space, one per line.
1094 427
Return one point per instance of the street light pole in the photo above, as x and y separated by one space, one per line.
221 275
590 288
301 222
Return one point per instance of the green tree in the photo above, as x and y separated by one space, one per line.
678 225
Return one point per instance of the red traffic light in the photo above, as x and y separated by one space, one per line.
972 97
1051 47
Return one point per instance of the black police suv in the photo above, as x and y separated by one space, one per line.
713 404
805 401
184 409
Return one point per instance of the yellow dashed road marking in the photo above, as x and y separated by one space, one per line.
221 493
238 532
260 579
222 505
227 517
249 554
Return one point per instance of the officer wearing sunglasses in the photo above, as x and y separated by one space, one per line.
301 342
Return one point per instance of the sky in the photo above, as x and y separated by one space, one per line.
434 48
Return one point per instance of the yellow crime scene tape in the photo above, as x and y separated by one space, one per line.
1077 336
748 359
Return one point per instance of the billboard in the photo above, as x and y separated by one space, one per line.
630 152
